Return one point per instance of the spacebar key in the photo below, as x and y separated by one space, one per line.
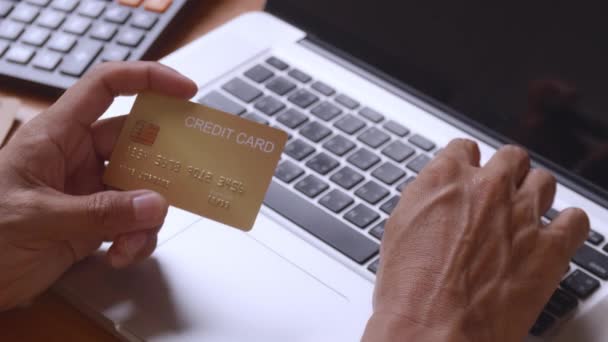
320 224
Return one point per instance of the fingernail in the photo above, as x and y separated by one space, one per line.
148 206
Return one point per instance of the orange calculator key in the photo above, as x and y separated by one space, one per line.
132 3
159 6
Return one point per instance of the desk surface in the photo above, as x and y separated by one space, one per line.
50 318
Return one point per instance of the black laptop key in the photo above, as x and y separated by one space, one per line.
418 163
396 128
350 124
398 151
592 261
299 75
371 115
347 178
288 171
303 98
390 205
298 149
269 105
320 223
339 145
323 163
363 159
311 186
388 173
405 183
372 192
378 230
347 101
595 238
277 63
323 88
336 200
422 142
361 216
581 284
551 214
373 137
315 131
326 111
77 62
242 90
543 323
373 267
280 85
259 73
561 303
5 8
220 102
292 118
256 118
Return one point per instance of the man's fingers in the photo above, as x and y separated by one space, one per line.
511 160
93 94
566 233
131 248
540 186
105 135
464 150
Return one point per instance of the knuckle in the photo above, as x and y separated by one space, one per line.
440 170
516 152
100 209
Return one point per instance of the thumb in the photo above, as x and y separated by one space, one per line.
111 213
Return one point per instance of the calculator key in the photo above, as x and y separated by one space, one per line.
349 124
372 192
371 115
422 142
19 54
303 98
288 171
336 201
115 53
132 3
159 6
347 178
298 149
315 131
361 216
47 60
11 30
281 85
25 13
3 47
339 145
378 230
77 25
347 101
323 88
277 63
36 36
326 111
65 5
5 8
373 137
62 42
418 163
405 183
256 118
363 159
581 284
92 8
269 105
259 74
322 163
220 102
398 151
311 186
388 173
41 3
299 75
77 62
242 90
130 37
117 14
104 31
292 118
373 267
51 19
396 128
144 20
390 205
595 238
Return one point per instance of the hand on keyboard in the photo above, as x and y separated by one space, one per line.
465 256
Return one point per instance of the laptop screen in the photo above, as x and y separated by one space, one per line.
535 72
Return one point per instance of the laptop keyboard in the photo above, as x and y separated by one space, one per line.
345 165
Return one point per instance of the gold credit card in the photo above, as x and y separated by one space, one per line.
202 160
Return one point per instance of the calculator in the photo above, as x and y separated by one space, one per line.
54 42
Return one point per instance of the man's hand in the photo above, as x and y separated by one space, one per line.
54 208
465 256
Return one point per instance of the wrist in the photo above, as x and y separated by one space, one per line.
387 327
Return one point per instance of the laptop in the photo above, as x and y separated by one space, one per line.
369 93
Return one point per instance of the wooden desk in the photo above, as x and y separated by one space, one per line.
50 318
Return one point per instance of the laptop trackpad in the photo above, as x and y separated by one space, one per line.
212 283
